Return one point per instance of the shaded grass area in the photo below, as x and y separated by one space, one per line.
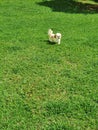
71 6
45 86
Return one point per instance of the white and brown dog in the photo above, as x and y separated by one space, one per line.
54 37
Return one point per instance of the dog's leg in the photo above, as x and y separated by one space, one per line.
59 41
50 39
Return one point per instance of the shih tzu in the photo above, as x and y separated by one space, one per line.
54 37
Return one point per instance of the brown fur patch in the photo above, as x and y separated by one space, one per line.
53 36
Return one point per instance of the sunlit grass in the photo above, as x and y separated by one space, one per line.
87 1
45 86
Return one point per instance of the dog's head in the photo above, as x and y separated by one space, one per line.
58 35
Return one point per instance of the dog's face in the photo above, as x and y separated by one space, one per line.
58 36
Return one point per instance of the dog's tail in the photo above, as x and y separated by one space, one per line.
50 32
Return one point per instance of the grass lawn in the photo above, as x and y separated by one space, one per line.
48 86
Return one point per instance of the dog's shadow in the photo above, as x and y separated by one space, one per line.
49 43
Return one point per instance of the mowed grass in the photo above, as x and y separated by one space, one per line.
45 86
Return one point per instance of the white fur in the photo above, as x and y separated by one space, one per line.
54 37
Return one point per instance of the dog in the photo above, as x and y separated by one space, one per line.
54 37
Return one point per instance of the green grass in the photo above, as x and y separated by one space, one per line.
45 86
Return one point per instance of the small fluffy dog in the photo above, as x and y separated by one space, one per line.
54 37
